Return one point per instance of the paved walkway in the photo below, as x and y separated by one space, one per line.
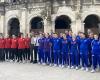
27 71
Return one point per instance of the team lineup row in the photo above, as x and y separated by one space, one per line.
64 50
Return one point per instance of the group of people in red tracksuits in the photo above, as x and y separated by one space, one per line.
14 48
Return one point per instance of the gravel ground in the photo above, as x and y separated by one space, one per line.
28 71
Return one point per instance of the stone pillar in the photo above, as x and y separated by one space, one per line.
53 26
23 21
79 26
73 27
27 27
53 23
2 28
82 27
6 26
47 25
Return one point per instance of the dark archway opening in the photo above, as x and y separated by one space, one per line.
37 24
92 24
14 27
62 23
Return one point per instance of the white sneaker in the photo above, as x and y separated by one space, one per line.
93 71
15 61
43 64
82 68
62 66
11 60
23 62
55 65
50 64
72 67
68 67
76 68
20 61
87 69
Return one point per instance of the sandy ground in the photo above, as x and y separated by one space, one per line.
27 71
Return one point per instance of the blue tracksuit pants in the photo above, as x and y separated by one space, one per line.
41 55
95 60
47 57
65 58
84 58
74 58
56 57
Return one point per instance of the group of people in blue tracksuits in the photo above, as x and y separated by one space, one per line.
68 50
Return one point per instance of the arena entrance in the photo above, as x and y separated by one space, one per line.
92 23
37 24
62 23
14 27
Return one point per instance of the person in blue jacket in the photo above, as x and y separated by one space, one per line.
69 36
41 49
47 49
51 51
74 55
56 42
84 51
60 58
95 53
90 39
78 37
65 51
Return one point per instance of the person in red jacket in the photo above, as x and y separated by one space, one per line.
2 46
7 47
21 48
27 47
14 45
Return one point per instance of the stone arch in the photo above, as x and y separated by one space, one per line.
62 22
7 20
36 24
86 13
13 26
64 11
92 23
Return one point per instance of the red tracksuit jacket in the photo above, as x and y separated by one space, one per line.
21 43
14 43
8 43
2 43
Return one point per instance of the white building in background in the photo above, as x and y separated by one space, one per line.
46 15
